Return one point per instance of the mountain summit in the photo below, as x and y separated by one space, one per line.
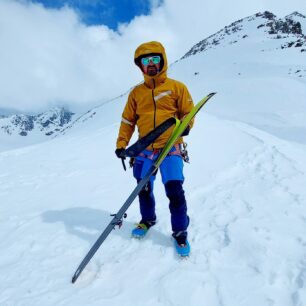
262 27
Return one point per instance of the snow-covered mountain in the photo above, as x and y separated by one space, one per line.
245 188
262 35
45 123
261 40
257 30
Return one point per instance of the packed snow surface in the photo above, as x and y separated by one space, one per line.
245 188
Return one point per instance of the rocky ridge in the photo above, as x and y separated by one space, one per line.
288 30
46 123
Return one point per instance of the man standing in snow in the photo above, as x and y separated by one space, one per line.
149 104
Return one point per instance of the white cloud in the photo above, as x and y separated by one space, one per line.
49 57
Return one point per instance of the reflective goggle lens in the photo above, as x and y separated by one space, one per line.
154 59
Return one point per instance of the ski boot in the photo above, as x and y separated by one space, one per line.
142 228
181 244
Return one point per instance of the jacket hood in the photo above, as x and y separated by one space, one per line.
152 47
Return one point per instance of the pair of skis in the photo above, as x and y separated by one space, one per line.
133 151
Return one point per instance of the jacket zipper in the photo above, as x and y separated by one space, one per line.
154 108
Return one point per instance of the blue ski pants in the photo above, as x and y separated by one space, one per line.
172 177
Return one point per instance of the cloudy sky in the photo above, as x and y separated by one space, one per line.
79 53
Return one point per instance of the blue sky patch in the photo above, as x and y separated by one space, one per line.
107 12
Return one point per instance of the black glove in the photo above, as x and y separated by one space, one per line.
186 132
119 153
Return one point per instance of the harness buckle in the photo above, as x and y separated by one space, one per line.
184 153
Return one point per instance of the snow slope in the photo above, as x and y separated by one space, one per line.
245 189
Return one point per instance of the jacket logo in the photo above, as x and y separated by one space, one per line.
159 96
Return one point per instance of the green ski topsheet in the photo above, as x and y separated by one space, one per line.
180 128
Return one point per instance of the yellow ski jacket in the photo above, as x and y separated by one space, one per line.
154 101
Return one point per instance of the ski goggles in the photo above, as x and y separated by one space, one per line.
154 59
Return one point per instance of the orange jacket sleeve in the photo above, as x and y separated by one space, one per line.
185 103
128 123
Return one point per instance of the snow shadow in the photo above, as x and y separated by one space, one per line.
88 224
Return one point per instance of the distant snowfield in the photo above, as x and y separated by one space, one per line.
245 189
